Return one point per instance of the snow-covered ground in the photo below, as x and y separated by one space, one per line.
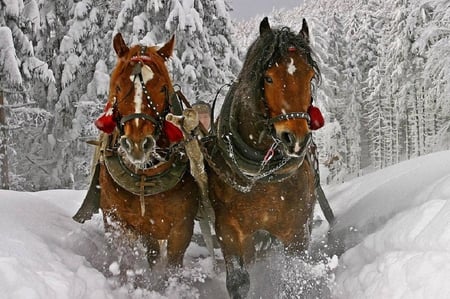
393 224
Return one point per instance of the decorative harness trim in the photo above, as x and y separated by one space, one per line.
288 116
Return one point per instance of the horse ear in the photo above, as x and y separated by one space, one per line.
304 32
119 45
264 27
167 50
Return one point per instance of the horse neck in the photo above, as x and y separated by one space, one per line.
250 123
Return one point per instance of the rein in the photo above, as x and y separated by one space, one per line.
213 126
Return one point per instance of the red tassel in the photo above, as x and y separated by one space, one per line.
172 132
106 121
317 120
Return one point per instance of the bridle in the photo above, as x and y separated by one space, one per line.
158 119
288 116
285 116
271 121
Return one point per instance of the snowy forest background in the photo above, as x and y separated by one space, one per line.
385 76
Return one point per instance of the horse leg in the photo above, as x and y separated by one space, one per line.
205 228
121 243
178 242
298 242
153 251
238 279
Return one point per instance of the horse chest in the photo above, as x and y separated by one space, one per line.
163 211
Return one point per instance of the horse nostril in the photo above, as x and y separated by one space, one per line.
125 143
288 138
147 144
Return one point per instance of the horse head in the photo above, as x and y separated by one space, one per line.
287 83
140 89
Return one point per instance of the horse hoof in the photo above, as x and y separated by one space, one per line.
238 284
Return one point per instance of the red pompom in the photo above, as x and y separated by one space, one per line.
317 120
172 132
106 122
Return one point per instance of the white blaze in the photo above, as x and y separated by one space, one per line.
297 147
147 75
291 67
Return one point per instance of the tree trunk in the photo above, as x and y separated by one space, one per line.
4 177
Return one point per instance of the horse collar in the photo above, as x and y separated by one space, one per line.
152 181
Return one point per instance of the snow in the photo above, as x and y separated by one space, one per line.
82 10
397 223
31 12
13 7
7 54
393 224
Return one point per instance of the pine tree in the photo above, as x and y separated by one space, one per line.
432 41
86 42
204 56
9 70
4 168
24 72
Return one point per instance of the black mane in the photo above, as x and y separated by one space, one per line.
244 114
266 50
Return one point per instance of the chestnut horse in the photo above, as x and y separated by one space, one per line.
261 175
144 180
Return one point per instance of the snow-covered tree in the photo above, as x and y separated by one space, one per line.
204 57
86 42
83 129
10 70
23 71
385 70
384 64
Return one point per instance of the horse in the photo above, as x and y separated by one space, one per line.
262 175
145 186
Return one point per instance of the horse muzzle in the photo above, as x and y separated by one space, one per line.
294 146
137 151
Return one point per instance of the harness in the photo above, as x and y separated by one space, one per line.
160 178
246 165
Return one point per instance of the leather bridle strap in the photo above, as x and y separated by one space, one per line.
288 116
129 117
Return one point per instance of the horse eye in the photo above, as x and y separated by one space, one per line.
268 79
117 88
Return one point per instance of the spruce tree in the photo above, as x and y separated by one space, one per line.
20 24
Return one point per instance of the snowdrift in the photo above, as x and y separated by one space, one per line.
393 225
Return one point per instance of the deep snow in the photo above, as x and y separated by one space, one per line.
393 224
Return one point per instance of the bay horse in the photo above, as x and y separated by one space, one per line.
261 173
144 179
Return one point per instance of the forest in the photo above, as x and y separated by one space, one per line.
384 90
